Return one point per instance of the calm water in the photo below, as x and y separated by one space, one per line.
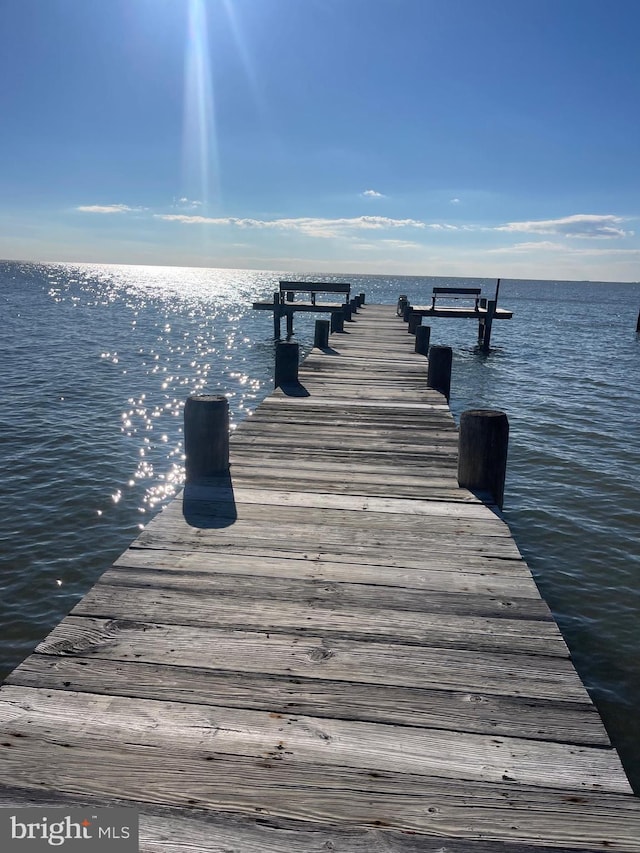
98 360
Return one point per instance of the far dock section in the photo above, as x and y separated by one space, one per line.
285 304
485 311
328 646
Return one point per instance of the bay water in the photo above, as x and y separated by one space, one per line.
97 361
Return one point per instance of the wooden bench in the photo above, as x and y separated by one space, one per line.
290 288
455 292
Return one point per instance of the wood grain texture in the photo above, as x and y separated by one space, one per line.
338 649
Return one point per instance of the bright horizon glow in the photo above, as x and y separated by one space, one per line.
408 137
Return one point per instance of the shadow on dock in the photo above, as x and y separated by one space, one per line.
209 503
294 389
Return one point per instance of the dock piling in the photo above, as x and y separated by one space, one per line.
321 334
439 369
414 321
337 321
287 359
206 436
423 336
482 452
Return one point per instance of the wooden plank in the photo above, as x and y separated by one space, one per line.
213 731
435 629
268 651
501 579
482 712
167 828
215 581
430 806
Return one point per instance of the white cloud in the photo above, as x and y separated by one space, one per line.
105 208
579 225
188 202
311 226
373 194
541 246
454 201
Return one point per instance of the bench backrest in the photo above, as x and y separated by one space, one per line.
455 292
314 287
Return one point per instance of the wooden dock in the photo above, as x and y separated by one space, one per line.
338 649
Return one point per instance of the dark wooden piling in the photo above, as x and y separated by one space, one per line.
485 324
347 311
414 321
321 334
439 369
362 298
277 314
482 452
423 336
206 436
287 360
638 323
337 321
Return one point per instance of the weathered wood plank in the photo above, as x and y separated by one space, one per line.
272 786
212 731
268 651
346 593
163 828
438 630
482 712
437 576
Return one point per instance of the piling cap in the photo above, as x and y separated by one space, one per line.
207 398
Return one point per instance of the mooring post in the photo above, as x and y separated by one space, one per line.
638 323
346 310
423 336
289 323
287 358
439 369
486 326
206 436
482 452
354 306
321 334
277 313
414 321
406 312
337 321
362 298
402 303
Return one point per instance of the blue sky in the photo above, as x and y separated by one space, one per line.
434 137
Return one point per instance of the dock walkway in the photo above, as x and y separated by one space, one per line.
338 650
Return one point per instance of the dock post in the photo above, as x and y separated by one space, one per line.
337 321
638 323
321 334
423 336
346 310
414 321
362 298
354 306
406 312
486 325
439 369
289 323
287 358
277 313
402 303
206 436
482 452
